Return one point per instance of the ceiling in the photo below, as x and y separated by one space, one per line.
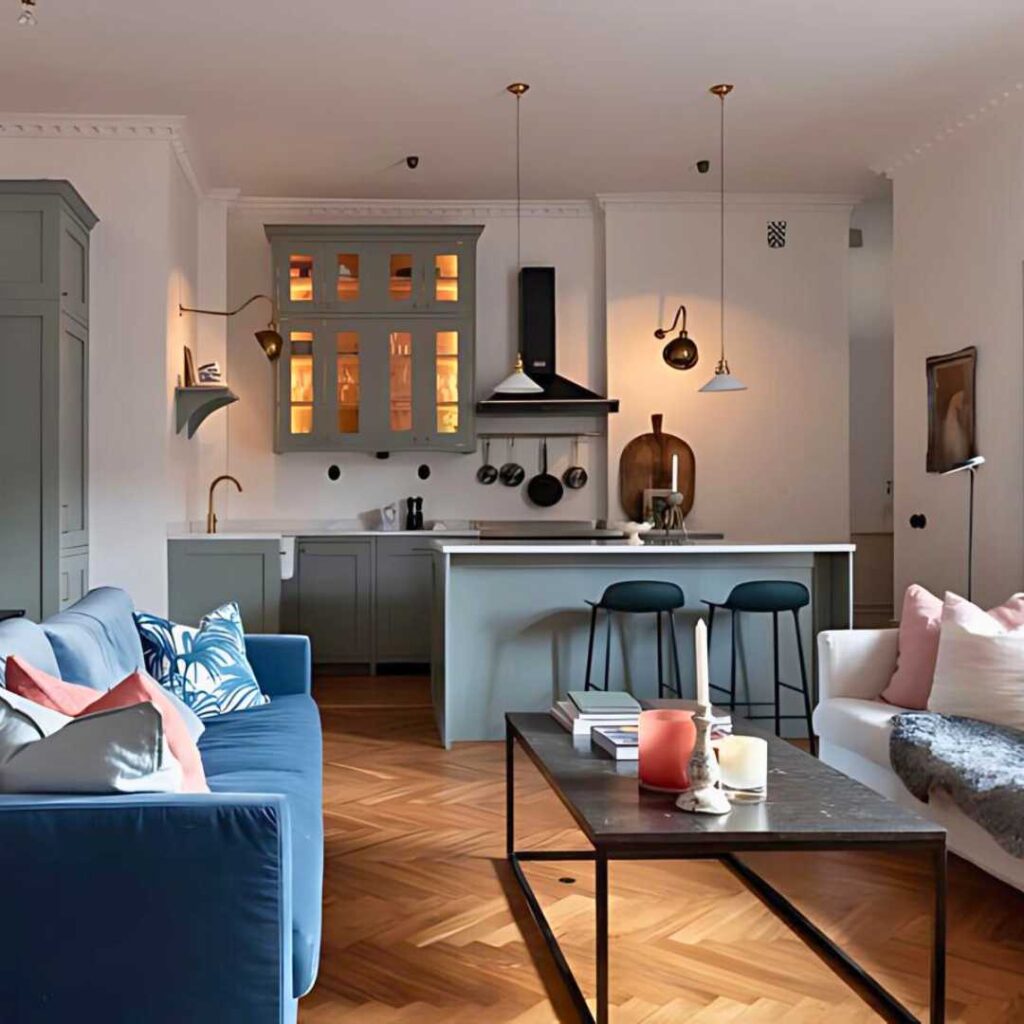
327 97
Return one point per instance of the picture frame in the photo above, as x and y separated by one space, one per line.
656 505
951 409
190 369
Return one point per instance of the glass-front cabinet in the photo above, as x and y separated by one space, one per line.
378 323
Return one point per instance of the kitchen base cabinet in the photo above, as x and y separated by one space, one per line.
74 577
404 595
334 607
204 574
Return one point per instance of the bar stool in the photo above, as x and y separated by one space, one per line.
764 596
637 597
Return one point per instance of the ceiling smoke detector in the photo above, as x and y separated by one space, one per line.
27 18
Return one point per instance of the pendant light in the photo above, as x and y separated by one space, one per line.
723 380
517 382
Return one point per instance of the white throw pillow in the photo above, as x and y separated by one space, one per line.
24 721
118 751
979 672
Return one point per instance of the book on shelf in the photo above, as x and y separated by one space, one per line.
562 712
619 743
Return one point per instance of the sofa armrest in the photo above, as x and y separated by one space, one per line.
150 908
855 662
283 664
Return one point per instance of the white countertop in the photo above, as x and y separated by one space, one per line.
605 548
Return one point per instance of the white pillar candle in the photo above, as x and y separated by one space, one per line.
743 761
700 645
675 472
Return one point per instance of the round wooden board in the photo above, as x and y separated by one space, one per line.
646 464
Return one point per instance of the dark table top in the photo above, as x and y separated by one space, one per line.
809 805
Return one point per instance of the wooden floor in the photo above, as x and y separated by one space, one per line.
423 925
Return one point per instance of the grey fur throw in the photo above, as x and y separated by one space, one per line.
980 765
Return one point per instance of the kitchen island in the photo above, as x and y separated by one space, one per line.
510 623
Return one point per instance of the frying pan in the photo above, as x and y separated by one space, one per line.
511 473
544 489
575 476
487 473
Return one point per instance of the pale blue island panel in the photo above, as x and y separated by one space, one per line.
510 622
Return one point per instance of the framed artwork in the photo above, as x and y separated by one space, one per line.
656 505
951 409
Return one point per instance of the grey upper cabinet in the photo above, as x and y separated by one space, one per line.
44 352
379 330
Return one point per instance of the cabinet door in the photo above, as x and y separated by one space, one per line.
446 271
335 605
29 265
443 386
405 575
74 269
300 276
74 577
353 416
301 387
73 444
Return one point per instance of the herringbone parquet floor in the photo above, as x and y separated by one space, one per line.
422 924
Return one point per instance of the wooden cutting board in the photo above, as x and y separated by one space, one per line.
646 463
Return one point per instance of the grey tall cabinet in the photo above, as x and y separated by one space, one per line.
44 389
378 323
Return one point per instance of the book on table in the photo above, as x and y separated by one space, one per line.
621 743
602 703
567 716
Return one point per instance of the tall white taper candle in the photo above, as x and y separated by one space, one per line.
675 473
700 643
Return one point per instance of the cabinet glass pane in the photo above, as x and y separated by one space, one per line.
300 391
446 278
447 382
348 276
300 278
400 280
400 376
347 343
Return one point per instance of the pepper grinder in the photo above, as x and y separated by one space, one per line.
417 515
410 515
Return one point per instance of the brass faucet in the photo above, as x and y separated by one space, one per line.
211 516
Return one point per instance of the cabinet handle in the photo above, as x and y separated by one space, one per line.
64 294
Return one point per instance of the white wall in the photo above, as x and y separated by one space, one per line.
772 462
871 369
957 281
139 261
295 486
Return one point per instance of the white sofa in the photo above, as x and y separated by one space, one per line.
853 726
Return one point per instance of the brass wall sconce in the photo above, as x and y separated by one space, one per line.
681 352
269 339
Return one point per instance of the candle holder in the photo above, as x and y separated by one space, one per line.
743 764
672 517
705 794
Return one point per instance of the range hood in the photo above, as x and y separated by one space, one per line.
537 342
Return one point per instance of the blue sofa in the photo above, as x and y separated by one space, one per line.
167 908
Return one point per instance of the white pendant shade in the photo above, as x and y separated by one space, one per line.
724 381
517 383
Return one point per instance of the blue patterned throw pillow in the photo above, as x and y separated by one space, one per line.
205 667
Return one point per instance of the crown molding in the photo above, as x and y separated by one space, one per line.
463 209
109 128
734 200
996 105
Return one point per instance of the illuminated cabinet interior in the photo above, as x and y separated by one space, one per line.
379 324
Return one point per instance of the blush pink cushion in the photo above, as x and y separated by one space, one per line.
920 626
76 701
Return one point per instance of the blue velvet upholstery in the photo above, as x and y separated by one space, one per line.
197 907
95 640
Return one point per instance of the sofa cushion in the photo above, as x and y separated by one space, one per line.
28 641
862 726
276 748
95 640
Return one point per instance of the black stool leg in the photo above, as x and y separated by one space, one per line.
607 648
590 648
732 665
675 654
661 680
775 662
812 739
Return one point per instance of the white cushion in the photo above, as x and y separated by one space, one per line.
118 751
862 726
24 721
980 670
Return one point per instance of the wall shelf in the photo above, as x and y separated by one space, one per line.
193 405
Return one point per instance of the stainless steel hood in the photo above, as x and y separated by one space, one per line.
538 342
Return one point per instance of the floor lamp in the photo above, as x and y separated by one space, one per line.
972 466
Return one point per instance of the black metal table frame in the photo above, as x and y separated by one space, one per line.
879 998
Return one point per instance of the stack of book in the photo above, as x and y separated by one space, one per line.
582 710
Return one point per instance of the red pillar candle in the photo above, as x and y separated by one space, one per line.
666 740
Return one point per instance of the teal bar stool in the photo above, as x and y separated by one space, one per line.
774 597
637 597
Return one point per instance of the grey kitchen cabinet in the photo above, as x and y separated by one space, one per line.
204 574
44 355
379 330
404 596
74 577
335 595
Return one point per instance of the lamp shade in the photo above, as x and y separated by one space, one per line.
271 342
517 383
723 380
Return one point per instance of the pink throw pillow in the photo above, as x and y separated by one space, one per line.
76 701
920 625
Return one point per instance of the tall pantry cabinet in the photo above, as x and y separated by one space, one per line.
44 395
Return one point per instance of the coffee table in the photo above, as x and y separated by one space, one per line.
810 806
